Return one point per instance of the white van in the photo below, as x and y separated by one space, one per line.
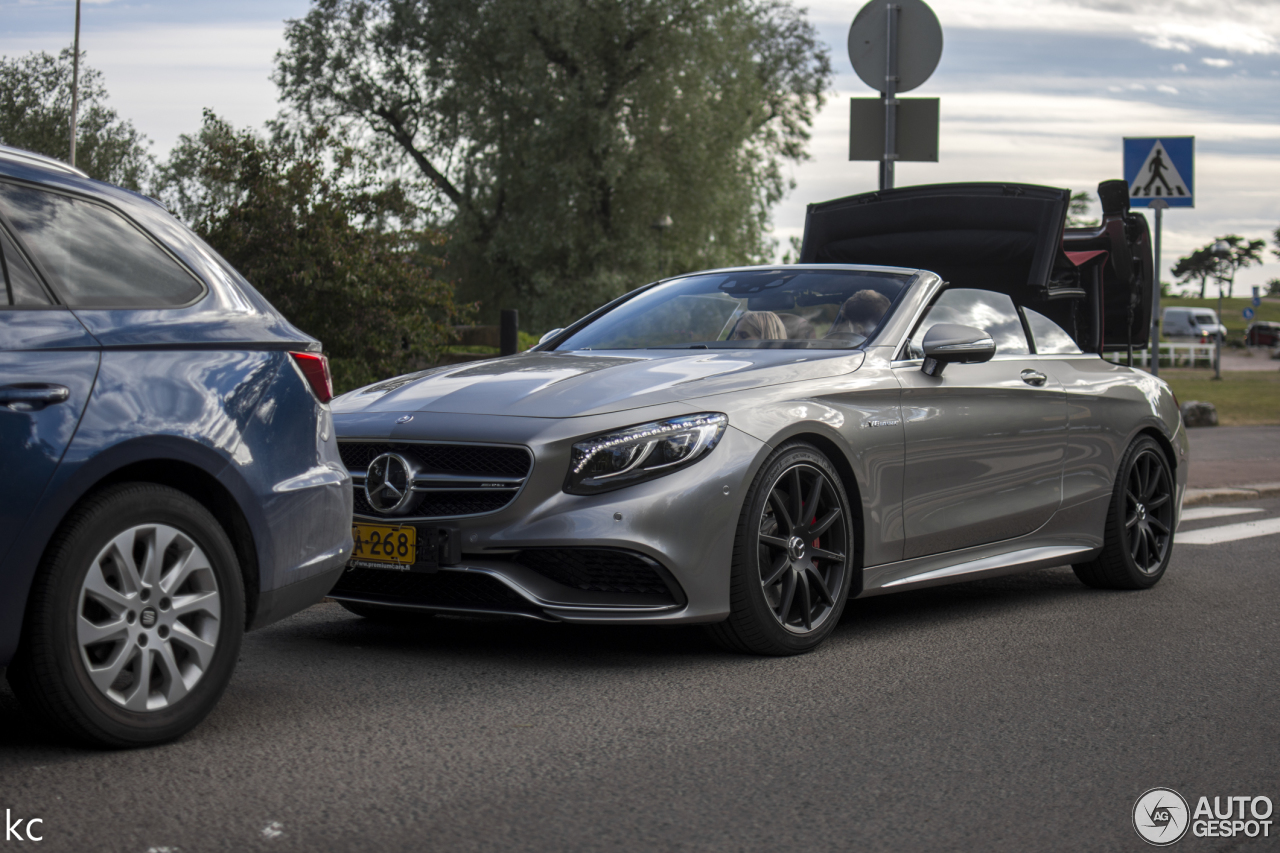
1191 323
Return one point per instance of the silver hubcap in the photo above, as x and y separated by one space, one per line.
148 617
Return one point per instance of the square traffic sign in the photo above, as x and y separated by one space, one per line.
1160 167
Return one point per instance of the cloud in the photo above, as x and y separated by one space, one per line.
1237 26
1166 89
1181 66
1214 62
1223 35
160 77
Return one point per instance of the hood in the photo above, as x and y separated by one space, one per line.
1005 237
570 384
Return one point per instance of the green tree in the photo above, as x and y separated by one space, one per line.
1196 267
554 133
1240 254
1078 210
1204 263
35 114
312 224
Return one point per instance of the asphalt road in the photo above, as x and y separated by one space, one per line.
1232 456
1021 714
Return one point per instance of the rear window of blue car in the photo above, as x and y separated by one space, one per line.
95 257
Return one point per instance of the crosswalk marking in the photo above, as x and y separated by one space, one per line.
1229 532
1200 513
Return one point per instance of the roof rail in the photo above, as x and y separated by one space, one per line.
11 153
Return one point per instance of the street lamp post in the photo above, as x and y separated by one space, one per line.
1221 251
75 83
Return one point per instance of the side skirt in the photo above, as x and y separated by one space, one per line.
974 564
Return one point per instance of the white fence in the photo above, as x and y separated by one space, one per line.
1173 354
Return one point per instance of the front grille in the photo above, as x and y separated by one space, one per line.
465 590
474 460
598 570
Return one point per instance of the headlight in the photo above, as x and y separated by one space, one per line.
643 452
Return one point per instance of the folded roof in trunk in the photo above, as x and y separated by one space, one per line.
1005 237
966 233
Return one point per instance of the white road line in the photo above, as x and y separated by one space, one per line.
1229 532
1200 513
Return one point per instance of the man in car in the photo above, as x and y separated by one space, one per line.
860 314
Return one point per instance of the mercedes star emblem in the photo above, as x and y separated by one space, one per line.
388 484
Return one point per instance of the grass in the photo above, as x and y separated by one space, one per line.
1232 317
1243 398
527 340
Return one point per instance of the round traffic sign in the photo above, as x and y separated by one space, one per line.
1248 313
919 43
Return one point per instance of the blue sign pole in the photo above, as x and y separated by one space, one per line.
1160 172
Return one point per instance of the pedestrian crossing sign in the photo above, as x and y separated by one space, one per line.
1160 167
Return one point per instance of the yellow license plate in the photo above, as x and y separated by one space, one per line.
383 544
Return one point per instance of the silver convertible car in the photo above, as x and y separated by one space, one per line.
924 399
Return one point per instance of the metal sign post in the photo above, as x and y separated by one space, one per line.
1159 205
894 45
890 96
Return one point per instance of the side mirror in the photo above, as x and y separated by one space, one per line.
548 336
946 343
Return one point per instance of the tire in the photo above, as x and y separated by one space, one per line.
385 615
786 594
1138 540
121 648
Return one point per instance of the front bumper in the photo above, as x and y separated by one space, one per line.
683 523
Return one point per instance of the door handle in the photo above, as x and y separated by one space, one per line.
31 397
1033 377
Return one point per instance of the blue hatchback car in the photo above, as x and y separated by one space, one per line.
170 471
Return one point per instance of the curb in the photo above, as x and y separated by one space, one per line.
1229 494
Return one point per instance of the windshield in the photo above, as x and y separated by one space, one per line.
810 309
1207 319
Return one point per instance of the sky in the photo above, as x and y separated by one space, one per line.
1032 91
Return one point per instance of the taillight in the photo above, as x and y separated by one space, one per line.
316 368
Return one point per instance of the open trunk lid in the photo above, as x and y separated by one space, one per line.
1095 282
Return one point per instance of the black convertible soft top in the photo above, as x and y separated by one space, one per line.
1095 282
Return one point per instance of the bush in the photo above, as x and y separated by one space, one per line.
313 225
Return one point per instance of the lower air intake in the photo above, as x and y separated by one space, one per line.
600 570
445 589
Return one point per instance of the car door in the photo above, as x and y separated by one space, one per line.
48 362
985 443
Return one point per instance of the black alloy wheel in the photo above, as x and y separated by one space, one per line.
792 559
1138 541
1149 511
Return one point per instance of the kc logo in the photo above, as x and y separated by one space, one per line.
13 828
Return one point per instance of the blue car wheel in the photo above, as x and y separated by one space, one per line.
135 619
